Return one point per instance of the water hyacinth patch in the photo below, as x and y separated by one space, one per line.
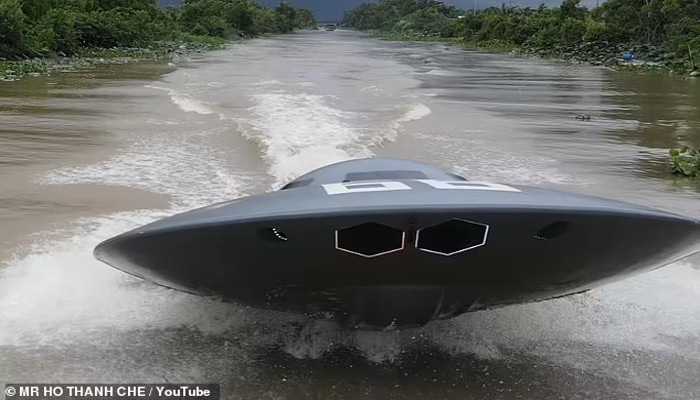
685 161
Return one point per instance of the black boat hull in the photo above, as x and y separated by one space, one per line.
400 259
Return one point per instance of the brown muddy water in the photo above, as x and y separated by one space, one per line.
88 155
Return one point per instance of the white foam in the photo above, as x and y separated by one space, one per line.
301 132
268 82
415 112
618 316
189 104
183 166
157 121
59 294
409 112
275 82
380 346
185 102
440 72
314 339
371 88
637 313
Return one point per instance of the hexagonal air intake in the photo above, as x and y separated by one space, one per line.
452 237
369 239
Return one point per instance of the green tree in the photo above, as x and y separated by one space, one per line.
427 20
44 27
305 19
13 25
671 26
571 9
287 16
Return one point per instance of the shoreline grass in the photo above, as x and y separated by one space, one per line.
500 46
12 70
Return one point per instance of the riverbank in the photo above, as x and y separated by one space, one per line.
650 58
40 37
86 58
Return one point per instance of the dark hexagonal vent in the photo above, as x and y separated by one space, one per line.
369 239
452 237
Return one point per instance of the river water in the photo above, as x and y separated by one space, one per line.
87 155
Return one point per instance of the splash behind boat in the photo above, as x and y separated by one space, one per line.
385 242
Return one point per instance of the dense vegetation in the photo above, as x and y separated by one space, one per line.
685 161
37 28
667 31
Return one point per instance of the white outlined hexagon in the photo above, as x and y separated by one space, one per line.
403 241
483 239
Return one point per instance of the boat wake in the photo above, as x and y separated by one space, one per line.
298 132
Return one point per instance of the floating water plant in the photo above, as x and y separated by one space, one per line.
685 161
